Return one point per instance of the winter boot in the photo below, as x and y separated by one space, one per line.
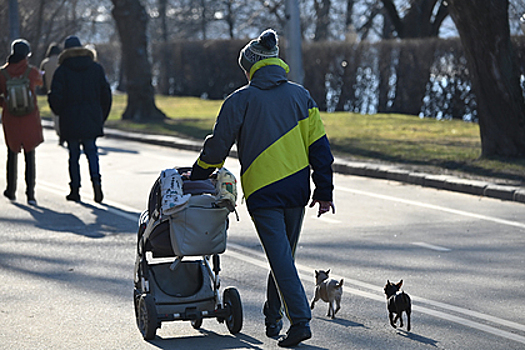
98 195
74 195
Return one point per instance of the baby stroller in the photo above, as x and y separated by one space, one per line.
168 288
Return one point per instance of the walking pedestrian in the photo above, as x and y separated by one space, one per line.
48 66
22 130
280 137
81 97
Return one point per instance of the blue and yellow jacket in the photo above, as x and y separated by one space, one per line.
279 135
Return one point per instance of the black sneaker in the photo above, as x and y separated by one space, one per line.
273 329
295 335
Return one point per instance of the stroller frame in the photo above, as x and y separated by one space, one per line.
154 304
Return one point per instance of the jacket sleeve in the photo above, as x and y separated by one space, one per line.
105 94
217 145
55 97
320 158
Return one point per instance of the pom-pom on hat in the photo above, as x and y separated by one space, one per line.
265 46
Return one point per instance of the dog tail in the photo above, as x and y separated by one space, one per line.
340 284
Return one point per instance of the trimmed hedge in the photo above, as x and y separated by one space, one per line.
420 77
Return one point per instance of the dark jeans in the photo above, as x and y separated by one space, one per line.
91 152
278 230
12 171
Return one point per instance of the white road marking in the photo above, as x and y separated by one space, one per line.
434 207
305 272
431 246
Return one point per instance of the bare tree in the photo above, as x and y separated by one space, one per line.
131 19
494 73
417 19
322 11
421 19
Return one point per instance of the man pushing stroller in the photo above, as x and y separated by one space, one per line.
279 136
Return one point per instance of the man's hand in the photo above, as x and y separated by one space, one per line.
324 206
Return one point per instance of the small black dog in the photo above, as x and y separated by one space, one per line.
397 302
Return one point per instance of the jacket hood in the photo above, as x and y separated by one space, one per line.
77 58
268 73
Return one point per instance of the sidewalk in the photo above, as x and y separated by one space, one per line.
387 172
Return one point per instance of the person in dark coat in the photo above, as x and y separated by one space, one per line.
81 96
21 132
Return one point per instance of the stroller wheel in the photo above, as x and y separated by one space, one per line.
147 317
197 323
232 302
136 298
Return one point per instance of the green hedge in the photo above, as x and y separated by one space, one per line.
419 77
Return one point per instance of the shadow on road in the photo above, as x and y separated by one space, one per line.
104 225
418 338
211 340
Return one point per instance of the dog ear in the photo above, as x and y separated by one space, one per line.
316 273
399 284
327 271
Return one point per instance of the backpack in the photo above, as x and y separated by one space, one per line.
19 97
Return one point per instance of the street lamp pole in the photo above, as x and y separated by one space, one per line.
293 41
14 22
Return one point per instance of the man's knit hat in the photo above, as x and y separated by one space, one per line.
265 46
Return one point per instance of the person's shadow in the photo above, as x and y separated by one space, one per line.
51 220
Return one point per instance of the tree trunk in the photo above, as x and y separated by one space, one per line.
322 12
163 84
421 20
131 19
483 27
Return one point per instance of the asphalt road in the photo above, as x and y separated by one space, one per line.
67 268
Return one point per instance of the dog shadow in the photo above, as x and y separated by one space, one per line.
418 338
342 322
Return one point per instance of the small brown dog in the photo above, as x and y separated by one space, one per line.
328 290
397 302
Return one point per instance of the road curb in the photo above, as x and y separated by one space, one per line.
378 171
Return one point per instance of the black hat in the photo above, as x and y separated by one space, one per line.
72 41
20 49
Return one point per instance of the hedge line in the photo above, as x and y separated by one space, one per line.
418 77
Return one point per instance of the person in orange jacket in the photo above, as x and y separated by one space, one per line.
21 132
